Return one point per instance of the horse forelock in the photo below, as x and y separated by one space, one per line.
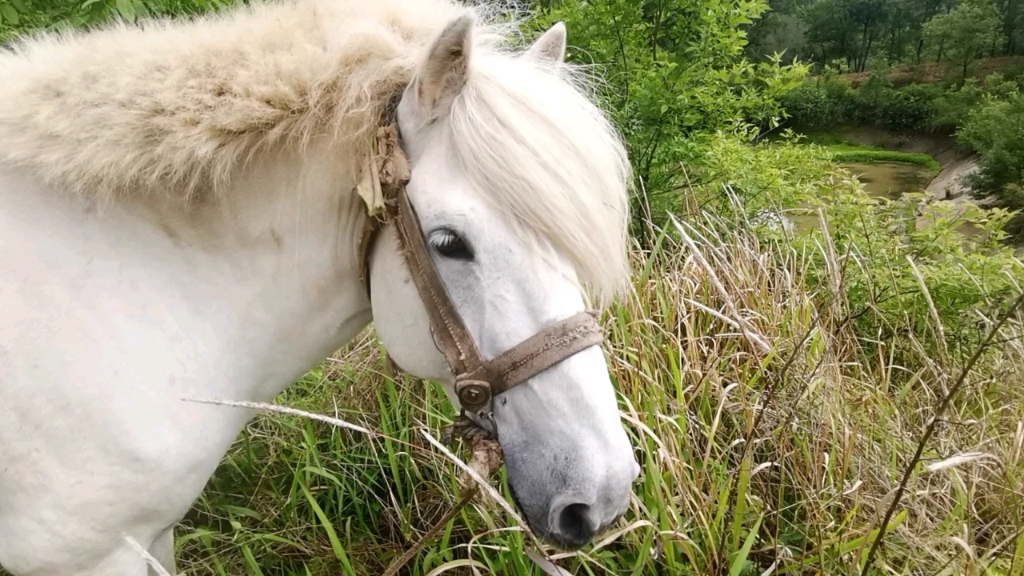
537 147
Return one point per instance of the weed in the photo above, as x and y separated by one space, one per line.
772 432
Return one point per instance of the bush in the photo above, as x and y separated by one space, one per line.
894 247
824 103
953 106
829 102
675 79
877 237
996 130
821 103
908 109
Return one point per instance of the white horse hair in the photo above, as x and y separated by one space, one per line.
178 218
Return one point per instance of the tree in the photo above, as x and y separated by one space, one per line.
780 30
676 77
966 32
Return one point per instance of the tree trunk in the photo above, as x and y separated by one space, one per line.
867 51
1010 26
862 65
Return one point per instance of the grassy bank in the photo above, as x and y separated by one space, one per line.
843 151
771 431
848 154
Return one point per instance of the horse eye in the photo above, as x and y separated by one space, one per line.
450 245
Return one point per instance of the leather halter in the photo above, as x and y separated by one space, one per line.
477 381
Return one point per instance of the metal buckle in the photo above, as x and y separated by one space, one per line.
474 395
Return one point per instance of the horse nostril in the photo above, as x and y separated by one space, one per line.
575 525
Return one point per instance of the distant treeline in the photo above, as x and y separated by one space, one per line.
849 33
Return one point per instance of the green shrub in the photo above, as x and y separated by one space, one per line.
996 130
829 102
958 249
889 247
740 180
908 109
821 103
953 106
675 79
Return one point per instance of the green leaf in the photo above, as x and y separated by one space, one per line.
20 5
126 9
241 511
740 560
332 536
9 14
250 561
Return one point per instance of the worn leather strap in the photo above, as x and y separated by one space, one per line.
450 332
477 380
539 352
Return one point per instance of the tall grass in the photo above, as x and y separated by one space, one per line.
771 434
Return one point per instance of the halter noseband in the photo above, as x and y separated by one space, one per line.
477 381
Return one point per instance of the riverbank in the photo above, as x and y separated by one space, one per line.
947 162
954 161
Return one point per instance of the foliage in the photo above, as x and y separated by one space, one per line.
778 32
954 106
958 249
828 102
738 180
908 109
996 130
821 102
907 31
18 17
676 76
966 32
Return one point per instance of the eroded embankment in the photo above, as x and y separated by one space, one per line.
954 161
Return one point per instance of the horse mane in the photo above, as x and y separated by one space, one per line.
180 107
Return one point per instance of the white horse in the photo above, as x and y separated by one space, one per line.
178 219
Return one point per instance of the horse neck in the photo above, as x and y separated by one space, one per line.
287 232
262 284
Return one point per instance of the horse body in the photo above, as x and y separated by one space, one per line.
110 320
179 219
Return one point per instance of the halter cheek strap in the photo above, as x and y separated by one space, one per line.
477 381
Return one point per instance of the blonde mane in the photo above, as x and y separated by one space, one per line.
179 108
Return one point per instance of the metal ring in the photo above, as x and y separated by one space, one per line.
474 395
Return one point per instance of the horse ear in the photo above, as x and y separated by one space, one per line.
443 74
550 47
